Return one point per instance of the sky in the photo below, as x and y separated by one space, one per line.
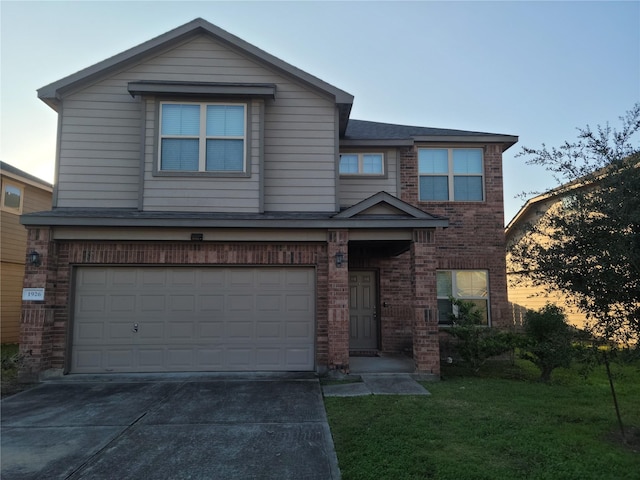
537 69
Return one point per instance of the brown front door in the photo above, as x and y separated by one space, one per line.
363 327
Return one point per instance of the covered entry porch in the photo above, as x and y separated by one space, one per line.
382 286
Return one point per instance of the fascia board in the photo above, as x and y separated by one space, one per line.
51 93
369 223
507 140
376 143
202 88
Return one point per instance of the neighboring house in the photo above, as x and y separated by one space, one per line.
523 295
21 193
216 209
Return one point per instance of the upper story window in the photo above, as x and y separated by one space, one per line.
451 174
202 137
12 197
361 164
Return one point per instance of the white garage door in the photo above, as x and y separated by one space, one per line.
169 319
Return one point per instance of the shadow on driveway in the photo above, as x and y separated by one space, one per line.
203 429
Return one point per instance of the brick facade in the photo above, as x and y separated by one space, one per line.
475 236
45 325
407 300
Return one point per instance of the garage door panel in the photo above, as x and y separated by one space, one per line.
125 277
298 330
180 358
181 330
211 358
154 277
269 358
150 359
212 278
240 303
239 330
268 330
152 303
119 332
182 303
93 278
119 358
181 278
193 319
298 278
239 358
299 356
88 358
211 303
92 304
211 330
122 303
91 332
298 303
241 278
269 303
150 331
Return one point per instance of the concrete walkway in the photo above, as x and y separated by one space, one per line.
175 428
381 375
376 384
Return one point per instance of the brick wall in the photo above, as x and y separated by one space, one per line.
45 325
475 237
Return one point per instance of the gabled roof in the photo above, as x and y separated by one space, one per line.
52 93
362 133
399 209
584 181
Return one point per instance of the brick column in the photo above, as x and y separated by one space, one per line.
36 325
426 348
338 300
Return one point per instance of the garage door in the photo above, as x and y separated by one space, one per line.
169 319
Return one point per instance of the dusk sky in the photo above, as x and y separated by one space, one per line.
537 70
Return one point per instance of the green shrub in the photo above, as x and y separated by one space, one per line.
548 340
475 342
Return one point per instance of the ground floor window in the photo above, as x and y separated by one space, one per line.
468 285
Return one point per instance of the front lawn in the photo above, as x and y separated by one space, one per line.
502 425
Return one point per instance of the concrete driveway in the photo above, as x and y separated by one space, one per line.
168 428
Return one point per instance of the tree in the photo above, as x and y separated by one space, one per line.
548 340
588 246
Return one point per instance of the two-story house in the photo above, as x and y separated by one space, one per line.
216 209
20 192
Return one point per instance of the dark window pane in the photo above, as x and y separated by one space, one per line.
434 188
179 154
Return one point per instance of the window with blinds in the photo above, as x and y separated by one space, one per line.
208 137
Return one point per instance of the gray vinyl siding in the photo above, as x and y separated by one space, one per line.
99 149
291 141
354 189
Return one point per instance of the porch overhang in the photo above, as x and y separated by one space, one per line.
135 218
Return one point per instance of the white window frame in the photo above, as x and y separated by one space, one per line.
451 175
360 171
466 298
202 137
6 208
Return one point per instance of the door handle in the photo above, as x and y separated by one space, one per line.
135 327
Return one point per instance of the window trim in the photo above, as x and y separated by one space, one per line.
360 172
17 211
202 137
453 289
451 175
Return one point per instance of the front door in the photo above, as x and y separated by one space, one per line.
363 327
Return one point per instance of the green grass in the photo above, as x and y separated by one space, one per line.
501 425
